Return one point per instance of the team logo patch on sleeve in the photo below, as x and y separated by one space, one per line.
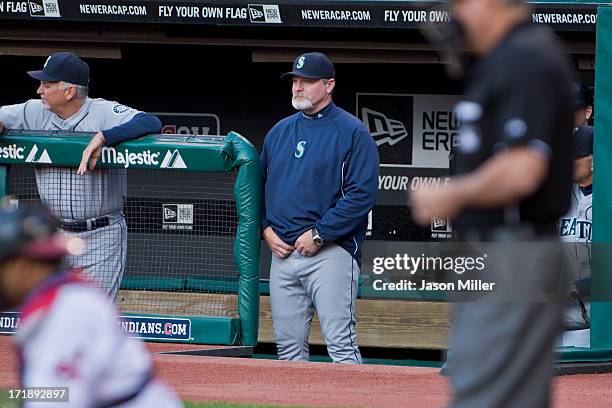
119 109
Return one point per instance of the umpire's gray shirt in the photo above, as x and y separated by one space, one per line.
69 196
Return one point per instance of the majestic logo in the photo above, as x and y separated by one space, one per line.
35 157
300 62
265 13
383 129
12 152
126 158
173 160
300 149
44 8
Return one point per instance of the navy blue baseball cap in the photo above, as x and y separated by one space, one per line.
583 141
63 66
312 65
583 96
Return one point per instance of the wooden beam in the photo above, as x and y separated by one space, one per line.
177 303
380 322
383 323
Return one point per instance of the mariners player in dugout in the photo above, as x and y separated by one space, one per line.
575 228
89 202
320 169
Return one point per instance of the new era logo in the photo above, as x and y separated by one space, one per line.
265 13
35 157
440 225
44 8
36 9
383 129
178 214
256 15
170 212
173 160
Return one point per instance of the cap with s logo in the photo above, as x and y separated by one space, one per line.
312 65
63 66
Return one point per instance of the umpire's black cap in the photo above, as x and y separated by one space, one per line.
30 232
312 65
583 96
583 140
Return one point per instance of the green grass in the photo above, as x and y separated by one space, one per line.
6 402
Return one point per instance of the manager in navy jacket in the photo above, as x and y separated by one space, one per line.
320 171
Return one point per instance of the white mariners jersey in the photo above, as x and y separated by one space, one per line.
575 228
69 196
70 337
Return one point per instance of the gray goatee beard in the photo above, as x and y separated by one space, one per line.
300 103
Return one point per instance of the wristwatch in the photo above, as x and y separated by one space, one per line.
316 238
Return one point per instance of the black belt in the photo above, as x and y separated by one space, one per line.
87 225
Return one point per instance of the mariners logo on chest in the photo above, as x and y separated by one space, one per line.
573 227
300 148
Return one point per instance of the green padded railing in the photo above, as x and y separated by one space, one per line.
198 153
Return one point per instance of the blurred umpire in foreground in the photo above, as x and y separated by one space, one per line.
69 334
513 180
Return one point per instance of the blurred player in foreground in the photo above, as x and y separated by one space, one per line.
513 181
69 334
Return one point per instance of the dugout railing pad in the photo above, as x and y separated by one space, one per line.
163 154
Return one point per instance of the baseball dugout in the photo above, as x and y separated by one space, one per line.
192 214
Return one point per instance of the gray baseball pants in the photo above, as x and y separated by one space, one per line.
502 351
103 260
327 283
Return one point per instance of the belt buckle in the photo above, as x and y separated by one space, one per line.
72 226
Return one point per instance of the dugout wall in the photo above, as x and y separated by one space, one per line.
192 210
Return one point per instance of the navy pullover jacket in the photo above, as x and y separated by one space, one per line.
320 171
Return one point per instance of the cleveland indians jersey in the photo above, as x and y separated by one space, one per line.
70 337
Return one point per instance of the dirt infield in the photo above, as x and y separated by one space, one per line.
322 384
